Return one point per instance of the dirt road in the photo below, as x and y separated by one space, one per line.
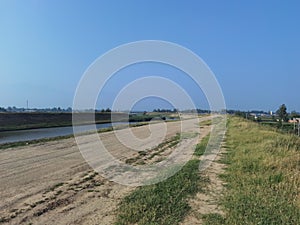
207 201
50 183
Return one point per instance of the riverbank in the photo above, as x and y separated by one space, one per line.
21 141
33 120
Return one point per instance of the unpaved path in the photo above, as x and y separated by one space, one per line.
206 201
50 183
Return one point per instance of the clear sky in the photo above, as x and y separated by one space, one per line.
253 47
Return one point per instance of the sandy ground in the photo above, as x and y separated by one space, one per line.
50 183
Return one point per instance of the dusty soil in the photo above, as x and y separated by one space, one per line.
50 183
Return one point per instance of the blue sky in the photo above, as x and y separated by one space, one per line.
253 47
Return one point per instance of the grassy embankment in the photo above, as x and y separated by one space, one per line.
23 121
102 130
165 202
19 121
30 142
262 178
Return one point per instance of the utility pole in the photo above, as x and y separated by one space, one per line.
298 127
27 104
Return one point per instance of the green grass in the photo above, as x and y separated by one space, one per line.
34 120
201 147
214 218
205 123
162 203
262 178
165 202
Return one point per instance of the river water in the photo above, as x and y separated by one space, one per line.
34 134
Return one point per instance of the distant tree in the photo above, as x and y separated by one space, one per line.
240 113
108 110
282 113
294 114
279 124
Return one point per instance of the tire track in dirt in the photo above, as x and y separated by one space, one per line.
207 201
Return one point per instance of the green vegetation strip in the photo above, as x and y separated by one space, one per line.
201 147
262 176
165 202
205 123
